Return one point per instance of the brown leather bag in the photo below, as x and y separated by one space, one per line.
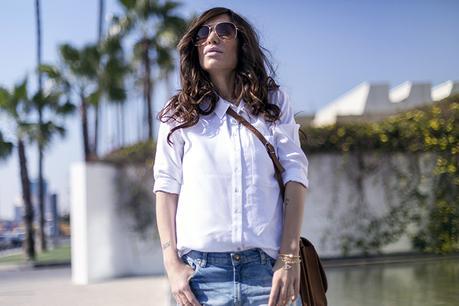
313 282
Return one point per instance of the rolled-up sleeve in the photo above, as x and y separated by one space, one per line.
289 151
167 168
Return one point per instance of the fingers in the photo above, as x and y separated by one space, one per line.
281 294
186 297
290 295
273 296
296 289
179 299
190 297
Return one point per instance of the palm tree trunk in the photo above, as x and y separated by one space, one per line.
123 123
118 125
97 107
84 128
96 129
26 198
41 195
147 87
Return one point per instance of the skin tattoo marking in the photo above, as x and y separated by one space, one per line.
286 201
166 245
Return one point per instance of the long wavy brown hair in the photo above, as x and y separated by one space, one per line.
252 81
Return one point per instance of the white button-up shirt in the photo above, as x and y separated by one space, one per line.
229 198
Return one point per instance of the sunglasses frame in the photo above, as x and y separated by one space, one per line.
212 28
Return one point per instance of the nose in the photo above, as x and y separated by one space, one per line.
213 37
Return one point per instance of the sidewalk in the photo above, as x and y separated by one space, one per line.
26 286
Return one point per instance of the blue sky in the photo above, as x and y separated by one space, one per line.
321 50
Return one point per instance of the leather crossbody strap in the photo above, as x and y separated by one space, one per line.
313 282
269 147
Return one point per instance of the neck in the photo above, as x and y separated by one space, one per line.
224 82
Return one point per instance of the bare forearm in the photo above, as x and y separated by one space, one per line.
295 194
166 208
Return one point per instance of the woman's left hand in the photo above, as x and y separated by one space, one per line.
286 284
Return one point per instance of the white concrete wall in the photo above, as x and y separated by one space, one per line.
332 208
103 246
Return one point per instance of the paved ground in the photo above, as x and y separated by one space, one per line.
53 287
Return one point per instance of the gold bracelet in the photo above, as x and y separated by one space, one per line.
289 259
289 255
287 264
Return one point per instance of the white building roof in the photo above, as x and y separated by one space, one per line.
444 90
377 98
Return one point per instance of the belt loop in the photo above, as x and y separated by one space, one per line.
204 259
262 256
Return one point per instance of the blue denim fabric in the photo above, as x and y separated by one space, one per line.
232 278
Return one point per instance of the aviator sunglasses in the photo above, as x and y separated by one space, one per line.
224 30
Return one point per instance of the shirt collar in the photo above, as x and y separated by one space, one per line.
222 107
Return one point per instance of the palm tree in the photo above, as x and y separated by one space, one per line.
77 76
90 74
111 76
41 204
16 106
159 29
51 101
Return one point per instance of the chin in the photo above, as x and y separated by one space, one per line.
214 67
217 64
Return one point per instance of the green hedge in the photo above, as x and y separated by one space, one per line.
428 128
432 128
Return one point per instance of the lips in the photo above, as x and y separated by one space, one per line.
213 49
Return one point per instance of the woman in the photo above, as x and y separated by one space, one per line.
224 229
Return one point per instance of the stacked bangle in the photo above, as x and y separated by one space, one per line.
289 259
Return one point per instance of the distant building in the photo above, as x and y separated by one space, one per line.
18 211
444 90
52 216
50 209
374 101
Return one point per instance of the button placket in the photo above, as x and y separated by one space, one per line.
238 183
237 178
234 142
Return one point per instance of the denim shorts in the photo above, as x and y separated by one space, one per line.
232 278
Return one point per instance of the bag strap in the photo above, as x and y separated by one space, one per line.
269 148
313 284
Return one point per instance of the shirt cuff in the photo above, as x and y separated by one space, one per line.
296 175
167 185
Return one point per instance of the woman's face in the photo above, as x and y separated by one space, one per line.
226 59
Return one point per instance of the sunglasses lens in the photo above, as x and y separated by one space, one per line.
202 34
225 30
